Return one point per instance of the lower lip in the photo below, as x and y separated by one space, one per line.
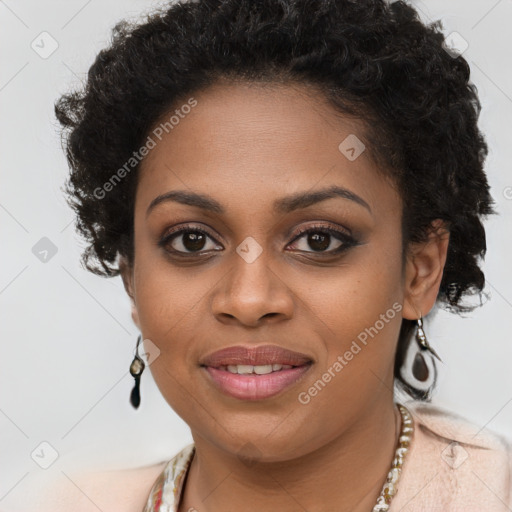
255 387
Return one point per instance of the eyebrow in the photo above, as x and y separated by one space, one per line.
283 205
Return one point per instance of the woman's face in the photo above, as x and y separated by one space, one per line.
242 274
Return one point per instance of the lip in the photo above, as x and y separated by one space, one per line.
262 355
252 386
255 387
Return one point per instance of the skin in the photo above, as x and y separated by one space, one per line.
247 145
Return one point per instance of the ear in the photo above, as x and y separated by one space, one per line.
127 276
424 271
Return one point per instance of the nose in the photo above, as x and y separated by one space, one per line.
251 292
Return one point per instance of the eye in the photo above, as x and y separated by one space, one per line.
323 239
187 240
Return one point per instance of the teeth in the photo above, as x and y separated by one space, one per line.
262 370
242 369
245 369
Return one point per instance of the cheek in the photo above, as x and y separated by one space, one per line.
164 295
351 297
360 304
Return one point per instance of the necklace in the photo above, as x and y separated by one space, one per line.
390 487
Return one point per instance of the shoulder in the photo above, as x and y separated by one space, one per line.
447 428
451 425
113 491
455 464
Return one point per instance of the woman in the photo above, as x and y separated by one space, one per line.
287 189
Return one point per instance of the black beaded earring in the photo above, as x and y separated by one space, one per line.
136 369
418 369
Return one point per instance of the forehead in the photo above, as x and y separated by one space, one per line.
256 141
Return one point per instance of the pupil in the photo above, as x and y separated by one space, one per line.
318 241
193 241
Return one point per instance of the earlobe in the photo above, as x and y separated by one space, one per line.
135 315
127 276
424 271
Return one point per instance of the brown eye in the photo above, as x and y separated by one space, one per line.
193 241
187 241
322 239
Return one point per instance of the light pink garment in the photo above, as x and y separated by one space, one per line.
454 466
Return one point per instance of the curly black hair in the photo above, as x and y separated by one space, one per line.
372 60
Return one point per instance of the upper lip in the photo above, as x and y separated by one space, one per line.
255 356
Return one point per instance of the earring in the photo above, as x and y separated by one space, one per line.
136 369
418 369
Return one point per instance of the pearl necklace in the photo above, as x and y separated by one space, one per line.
390 487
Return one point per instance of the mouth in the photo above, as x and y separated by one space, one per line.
255 373
260 369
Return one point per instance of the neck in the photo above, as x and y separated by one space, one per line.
345 474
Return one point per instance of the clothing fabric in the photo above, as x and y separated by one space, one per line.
452 466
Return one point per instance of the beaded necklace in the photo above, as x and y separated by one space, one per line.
390 487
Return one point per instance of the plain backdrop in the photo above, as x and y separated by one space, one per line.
67 337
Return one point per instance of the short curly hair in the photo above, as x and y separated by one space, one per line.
373 60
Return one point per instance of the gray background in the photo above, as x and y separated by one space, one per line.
67 335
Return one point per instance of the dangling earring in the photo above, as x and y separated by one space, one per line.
136 369
422 339
418 369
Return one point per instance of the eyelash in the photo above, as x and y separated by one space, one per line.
347 240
